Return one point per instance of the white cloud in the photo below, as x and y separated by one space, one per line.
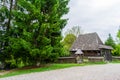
101 16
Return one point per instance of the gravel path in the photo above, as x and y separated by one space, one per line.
96 72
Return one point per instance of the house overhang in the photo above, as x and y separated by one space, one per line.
74 50
105 47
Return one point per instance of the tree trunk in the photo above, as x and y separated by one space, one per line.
10 14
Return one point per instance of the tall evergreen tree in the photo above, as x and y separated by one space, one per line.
110 41
6 7
34 29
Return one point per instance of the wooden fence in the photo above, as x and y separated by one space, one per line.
116 57
66 60
95 59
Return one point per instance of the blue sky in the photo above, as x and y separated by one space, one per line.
101 16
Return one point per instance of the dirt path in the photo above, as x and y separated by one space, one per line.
96 72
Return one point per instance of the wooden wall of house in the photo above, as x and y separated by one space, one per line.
88 53
91 53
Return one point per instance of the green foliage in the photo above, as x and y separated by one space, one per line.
70 37
5 22
118 36
68 40
33 31
67 43
116 51
64 51
110 41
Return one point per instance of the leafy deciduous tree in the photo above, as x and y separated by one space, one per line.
68 40
118 36
70 36
116 51
76 30
67 43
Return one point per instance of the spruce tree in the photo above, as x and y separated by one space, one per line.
110 41
34 30
6 7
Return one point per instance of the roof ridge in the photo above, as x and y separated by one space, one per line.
89 41
89 33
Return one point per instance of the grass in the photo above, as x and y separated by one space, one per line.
46 68
115 61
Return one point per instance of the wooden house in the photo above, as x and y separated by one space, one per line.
91 45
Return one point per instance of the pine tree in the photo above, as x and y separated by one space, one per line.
110 41
34 30
6 7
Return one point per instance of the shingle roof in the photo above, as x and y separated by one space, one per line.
90 41
105 47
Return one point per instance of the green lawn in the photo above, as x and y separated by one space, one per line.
115 61
45 68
